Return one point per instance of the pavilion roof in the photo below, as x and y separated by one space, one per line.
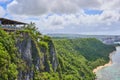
5 21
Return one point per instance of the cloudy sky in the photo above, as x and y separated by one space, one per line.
66 16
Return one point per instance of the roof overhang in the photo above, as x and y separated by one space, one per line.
5 21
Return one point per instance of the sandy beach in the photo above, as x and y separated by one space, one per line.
108 64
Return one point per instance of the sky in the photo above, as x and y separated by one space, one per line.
66 16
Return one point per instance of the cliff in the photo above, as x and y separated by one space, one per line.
35 54
29 55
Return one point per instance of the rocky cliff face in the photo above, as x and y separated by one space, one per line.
35 56
53 60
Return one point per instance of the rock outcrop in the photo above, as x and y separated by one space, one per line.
35 56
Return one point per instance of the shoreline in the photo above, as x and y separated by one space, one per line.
107 64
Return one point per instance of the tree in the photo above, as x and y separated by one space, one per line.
4 63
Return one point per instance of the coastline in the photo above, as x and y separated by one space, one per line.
107 64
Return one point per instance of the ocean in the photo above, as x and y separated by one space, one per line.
111 72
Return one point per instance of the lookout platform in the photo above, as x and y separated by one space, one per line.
10 25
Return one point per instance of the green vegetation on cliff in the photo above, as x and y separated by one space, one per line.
8 57
78 57
29 55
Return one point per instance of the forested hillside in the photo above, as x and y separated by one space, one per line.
8 57
28 55
78 57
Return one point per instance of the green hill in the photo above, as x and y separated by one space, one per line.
78 57
29 55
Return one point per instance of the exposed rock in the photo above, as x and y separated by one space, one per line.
29 53
53 60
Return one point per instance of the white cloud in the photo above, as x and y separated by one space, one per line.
2 12
110 17
76 23
28 7
38 7
87 3
110 5
64 6
68 15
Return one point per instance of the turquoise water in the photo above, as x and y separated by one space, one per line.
111 72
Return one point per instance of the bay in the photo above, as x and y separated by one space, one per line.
111 72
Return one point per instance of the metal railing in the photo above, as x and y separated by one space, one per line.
10 27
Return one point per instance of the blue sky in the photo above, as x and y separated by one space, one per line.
5 3
66 16
92 11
